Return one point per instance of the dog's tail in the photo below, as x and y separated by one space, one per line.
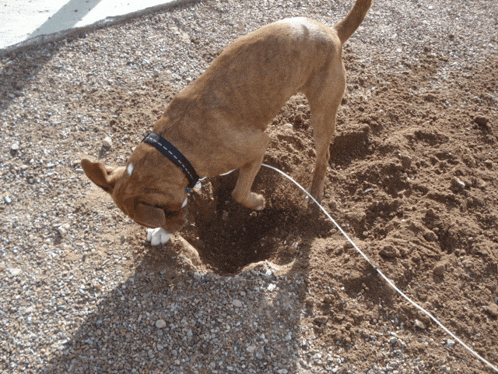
355 17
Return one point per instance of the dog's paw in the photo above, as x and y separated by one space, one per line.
255 201
260 202
157 236
251 200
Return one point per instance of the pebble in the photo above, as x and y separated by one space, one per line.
389 251
457 184
107 142
430 213
63 229
7 200
237 303
449 343
491 309
481 121
251 348
430 236
333 205
418 324
288 127
160 323
14 148
14 271
439 268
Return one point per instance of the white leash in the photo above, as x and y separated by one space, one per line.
382 275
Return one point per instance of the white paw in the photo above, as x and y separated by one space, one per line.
157 236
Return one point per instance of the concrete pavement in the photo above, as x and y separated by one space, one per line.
25 21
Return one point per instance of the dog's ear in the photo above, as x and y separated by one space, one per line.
149 216
99 174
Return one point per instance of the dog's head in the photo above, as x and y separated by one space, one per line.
150 189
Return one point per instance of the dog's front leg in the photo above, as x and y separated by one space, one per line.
242 191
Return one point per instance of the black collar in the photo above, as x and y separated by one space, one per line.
167 149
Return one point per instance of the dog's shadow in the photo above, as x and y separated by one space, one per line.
171 317
185 321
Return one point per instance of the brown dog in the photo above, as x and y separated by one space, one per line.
218 122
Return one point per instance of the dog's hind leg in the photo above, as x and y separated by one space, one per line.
242 191
324 100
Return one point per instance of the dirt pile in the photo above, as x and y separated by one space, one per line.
412 180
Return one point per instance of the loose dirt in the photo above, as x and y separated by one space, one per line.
412 179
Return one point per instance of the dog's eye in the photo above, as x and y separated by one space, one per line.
169 213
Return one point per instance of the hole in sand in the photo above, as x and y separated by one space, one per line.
229 236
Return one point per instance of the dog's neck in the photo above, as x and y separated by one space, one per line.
198 130
193 144
174 155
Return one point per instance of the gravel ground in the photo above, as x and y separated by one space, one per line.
81 291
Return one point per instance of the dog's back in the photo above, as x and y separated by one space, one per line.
255 75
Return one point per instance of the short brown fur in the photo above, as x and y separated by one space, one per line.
218 121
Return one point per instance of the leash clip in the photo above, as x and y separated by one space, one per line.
198 186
